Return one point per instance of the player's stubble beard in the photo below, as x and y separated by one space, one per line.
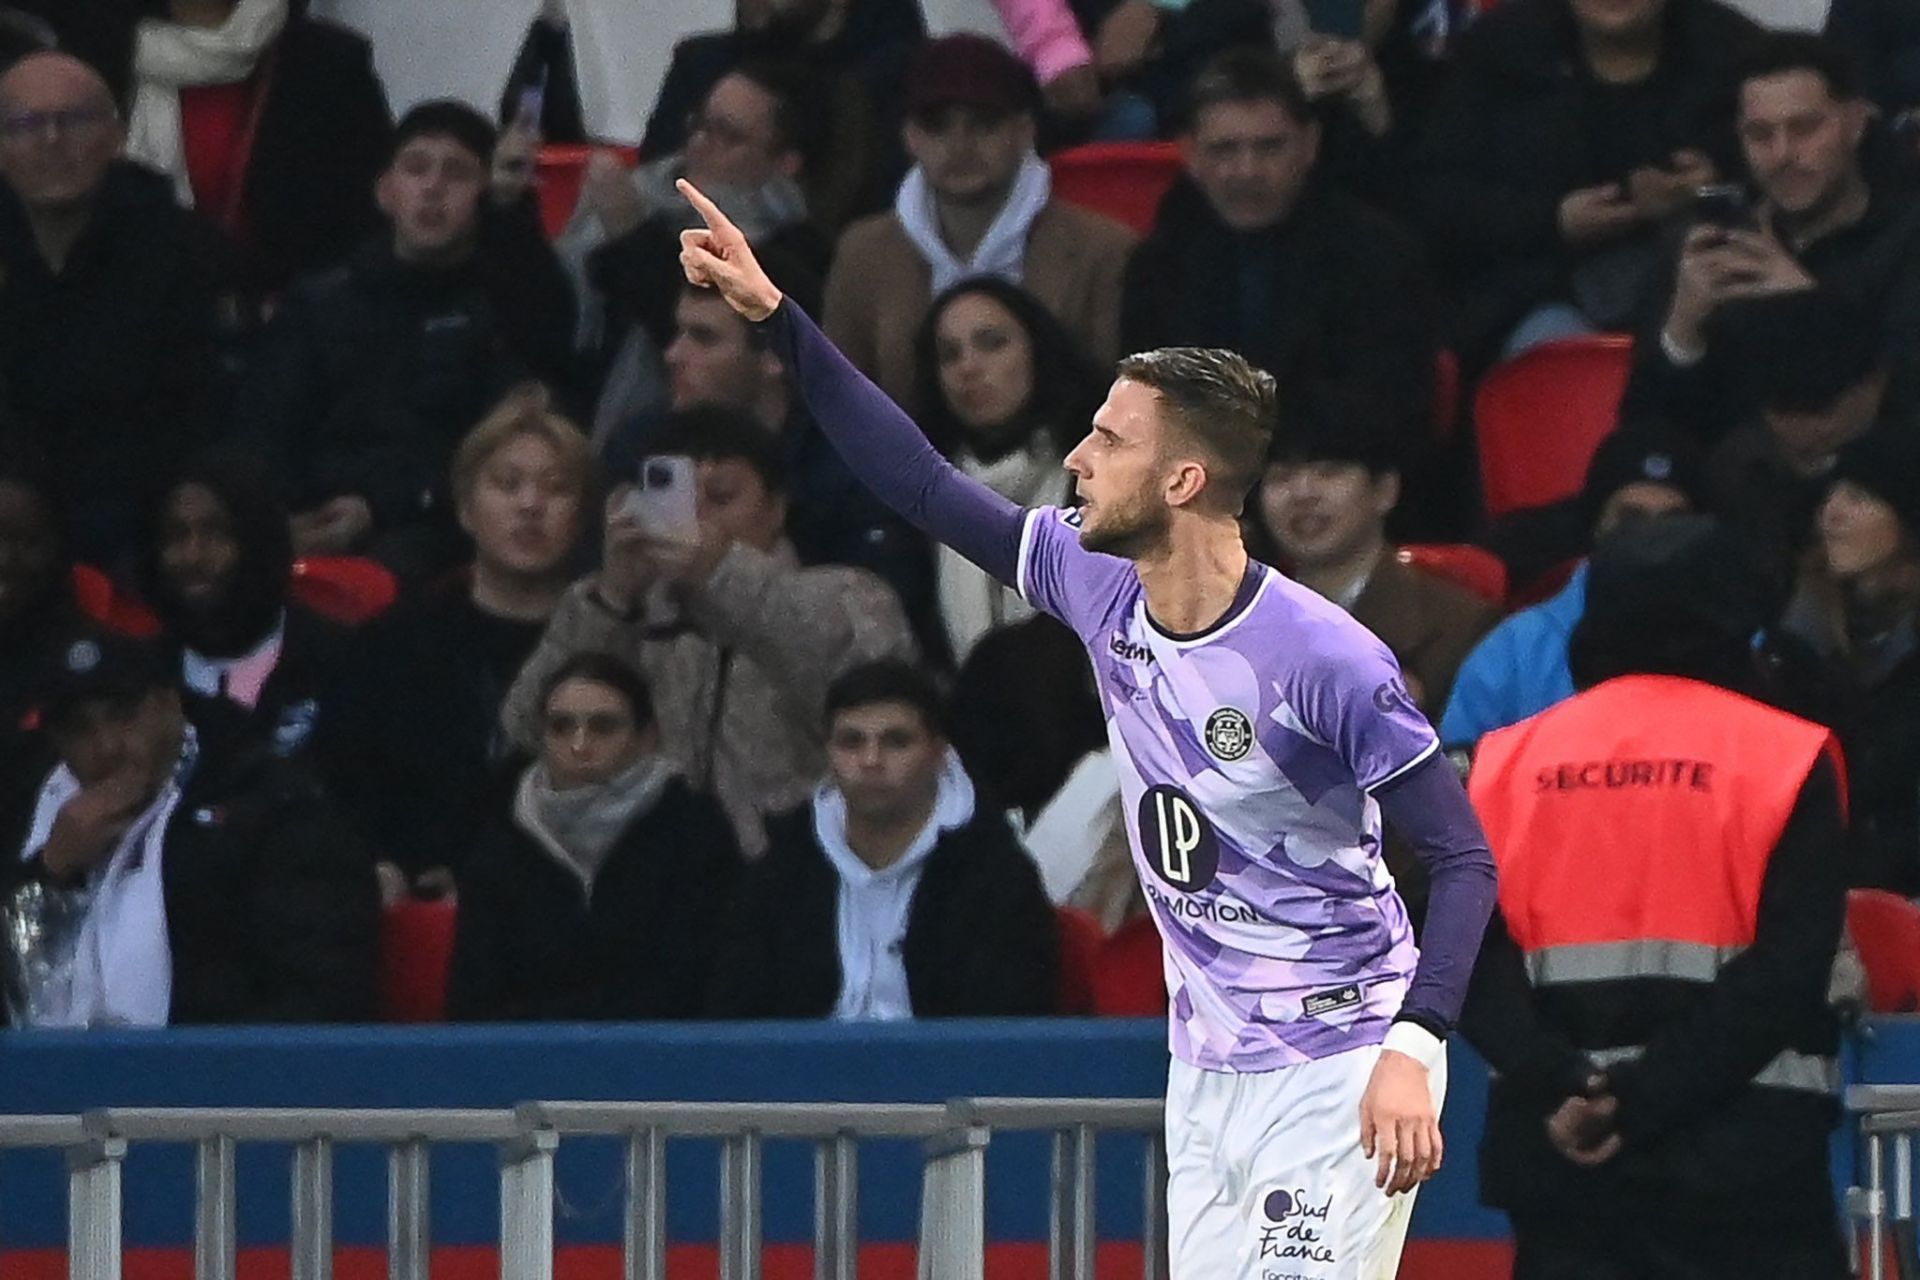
1128 528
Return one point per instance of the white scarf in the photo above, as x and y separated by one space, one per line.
119 971
169 57
1067 833
579 828
1001 252
871 918
972 603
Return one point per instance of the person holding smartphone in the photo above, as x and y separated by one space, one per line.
1831 234
1569 135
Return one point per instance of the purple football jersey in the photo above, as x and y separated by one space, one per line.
1246 757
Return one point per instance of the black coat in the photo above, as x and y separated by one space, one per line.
430 764
1520 125
272 910
324 137
981 938
1348 310
1868 272
371 374
532 943
113 365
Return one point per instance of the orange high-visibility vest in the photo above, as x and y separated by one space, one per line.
1632 826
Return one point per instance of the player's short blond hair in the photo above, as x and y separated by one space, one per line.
527 410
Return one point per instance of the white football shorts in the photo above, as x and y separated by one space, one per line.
1266 1179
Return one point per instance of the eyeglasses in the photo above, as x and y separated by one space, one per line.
719 128
65 124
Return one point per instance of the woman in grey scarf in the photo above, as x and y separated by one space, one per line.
597 896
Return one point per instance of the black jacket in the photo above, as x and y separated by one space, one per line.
1701 1143
113 365
1866 275
981 939
272 910
1335 296
532 943
371 374
324 137
1520 125
431 765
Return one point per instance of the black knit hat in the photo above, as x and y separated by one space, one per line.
1644 454
1886 463
445 118
1680 595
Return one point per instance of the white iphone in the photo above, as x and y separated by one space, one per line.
666 501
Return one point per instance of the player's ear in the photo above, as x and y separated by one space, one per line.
1187 481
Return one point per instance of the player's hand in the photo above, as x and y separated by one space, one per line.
1399 1124
718 257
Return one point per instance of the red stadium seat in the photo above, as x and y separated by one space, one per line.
96 597
1463 564
1130 981
346 589
1124 180
416 953
1080 939
558 175
1886 928
1539 417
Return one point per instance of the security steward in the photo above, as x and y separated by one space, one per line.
1652 995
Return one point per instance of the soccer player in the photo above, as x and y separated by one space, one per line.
1259 733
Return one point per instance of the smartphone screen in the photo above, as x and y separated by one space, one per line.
1722 204
1341 19
665 501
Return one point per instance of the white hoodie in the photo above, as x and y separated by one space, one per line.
874 905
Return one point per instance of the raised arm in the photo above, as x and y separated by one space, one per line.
881 444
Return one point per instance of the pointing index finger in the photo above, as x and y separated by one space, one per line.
716 220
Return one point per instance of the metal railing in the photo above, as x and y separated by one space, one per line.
1889 1118
953 1137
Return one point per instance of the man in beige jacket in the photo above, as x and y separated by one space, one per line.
738 642
977 202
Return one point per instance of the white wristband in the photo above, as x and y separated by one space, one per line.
1416 1042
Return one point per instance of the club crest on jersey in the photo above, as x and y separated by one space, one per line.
1177 839
1229 734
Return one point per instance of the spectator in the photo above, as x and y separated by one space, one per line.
596 898
372 373
897 894
171 868
1858 608
1027 722
860 48
1570 132
109 305
737 641
1008 394
1835 237
760 132
1329 490
1317 289
270 122
1653 990
717 359
436 765
217 571
1770 476
36 591
1047 36
1520 668
978 202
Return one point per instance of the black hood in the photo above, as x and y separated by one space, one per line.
257 592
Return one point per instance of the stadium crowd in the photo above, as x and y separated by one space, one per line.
254 332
